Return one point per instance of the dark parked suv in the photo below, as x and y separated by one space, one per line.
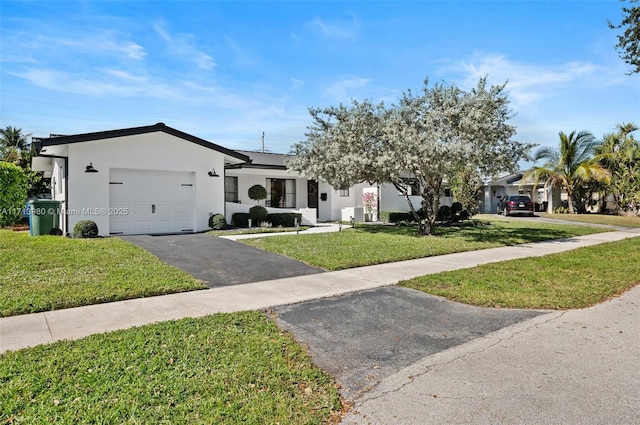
515 204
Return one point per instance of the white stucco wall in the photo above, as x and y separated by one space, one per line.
331 209
152 151
390 200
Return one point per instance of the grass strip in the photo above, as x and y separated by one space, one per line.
376 244
221 369
48 273
611 220
572 279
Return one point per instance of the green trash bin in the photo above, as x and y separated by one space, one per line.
44 216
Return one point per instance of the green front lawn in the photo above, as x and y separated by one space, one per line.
375 244
572 279
611 220
48 272
222 369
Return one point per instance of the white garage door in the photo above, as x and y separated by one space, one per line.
144 202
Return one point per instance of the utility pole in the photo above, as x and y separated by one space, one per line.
263 142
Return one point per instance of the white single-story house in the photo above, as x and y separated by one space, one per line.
152 179
290 190
286 189
156 179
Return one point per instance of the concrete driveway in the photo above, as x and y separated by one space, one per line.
363 337
220 262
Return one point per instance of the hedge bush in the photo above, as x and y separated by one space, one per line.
85 229
240 219
217 222
258 213
284 219
276 219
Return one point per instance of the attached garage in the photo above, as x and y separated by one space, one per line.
143 180
149 202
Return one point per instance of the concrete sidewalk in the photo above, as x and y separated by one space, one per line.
40 328
319 228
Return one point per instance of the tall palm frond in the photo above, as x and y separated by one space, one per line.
571 164
11 137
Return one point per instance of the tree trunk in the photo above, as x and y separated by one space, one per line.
570 200
422 227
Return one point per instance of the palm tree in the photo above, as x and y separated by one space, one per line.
620 154
13 137
14 146
570 166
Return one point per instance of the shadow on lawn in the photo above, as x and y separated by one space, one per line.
476 231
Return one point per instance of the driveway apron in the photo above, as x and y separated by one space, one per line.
220 262
361 338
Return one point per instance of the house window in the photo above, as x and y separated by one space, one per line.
230 189
282 193
413 186
58 186
344 193
447 193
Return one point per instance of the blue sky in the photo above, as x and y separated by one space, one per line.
227 71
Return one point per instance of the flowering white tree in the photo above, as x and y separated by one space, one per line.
431 136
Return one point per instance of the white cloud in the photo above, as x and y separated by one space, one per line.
296 83
182 45
344 90
110 83
125 76
337 30
133 50
43 43
527 83
241 56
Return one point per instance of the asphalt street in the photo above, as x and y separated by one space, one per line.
363 337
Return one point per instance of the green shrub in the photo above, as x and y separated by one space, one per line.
456 208
284 219
258 213
444 212
257 192
399 216
217 222
240 219
13 193
85 229
561 210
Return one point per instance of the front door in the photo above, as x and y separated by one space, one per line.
312 195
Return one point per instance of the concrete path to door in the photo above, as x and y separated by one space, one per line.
220 262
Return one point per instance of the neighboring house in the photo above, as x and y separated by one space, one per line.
142 180
544 198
